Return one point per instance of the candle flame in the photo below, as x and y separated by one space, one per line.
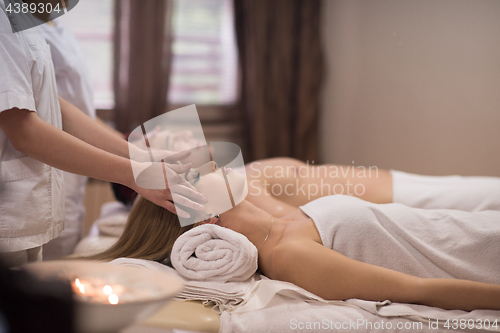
79 285
113 299
107 289
103 294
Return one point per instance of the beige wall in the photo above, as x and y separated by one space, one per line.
413 85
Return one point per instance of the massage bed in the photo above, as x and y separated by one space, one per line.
275 306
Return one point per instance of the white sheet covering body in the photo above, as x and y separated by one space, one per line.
421 242
263 305
446 192
286 314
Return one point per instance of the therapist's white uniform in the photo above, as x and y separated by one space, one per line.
74 85
31 192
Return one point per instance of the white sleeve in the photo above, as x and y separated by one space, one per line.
15 80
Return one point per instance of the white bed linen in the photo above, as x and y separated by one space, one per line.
284 314
220 296
263 305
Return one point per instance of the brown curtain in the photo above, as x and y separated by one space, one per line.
142 60
281 64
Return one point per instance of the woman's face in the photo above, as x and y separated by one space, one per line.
213 186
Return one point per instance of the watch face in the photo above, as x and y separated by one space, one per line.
26 14
159 146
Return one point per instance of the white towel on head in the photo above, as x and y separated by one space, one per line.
213 253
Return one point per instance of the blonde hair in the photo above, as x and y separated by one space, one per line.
150 234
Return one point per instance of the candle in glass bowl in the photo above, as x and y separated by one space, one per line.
97 292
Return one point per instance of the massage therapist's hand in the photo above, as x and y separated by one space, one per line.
153 154
162 184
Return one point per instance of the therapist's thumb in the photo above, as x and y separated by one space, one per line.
179 168
177 156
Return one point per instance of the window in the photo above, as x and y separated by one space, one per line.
92 22
204 56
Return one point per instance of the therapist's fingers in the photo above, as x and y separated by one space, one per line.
183 201
173 179
163 198
187 197
178 168
167 156
189 191
172 158
176 210
179 181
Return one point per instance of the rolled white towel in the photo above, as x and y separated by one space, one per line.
213 253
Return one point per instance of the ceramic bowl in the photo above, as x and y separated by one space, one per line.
110 297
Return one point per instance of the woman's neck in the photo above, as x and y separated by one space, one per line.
248 220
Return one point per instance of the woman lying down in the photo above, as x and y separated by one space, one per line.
341 246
